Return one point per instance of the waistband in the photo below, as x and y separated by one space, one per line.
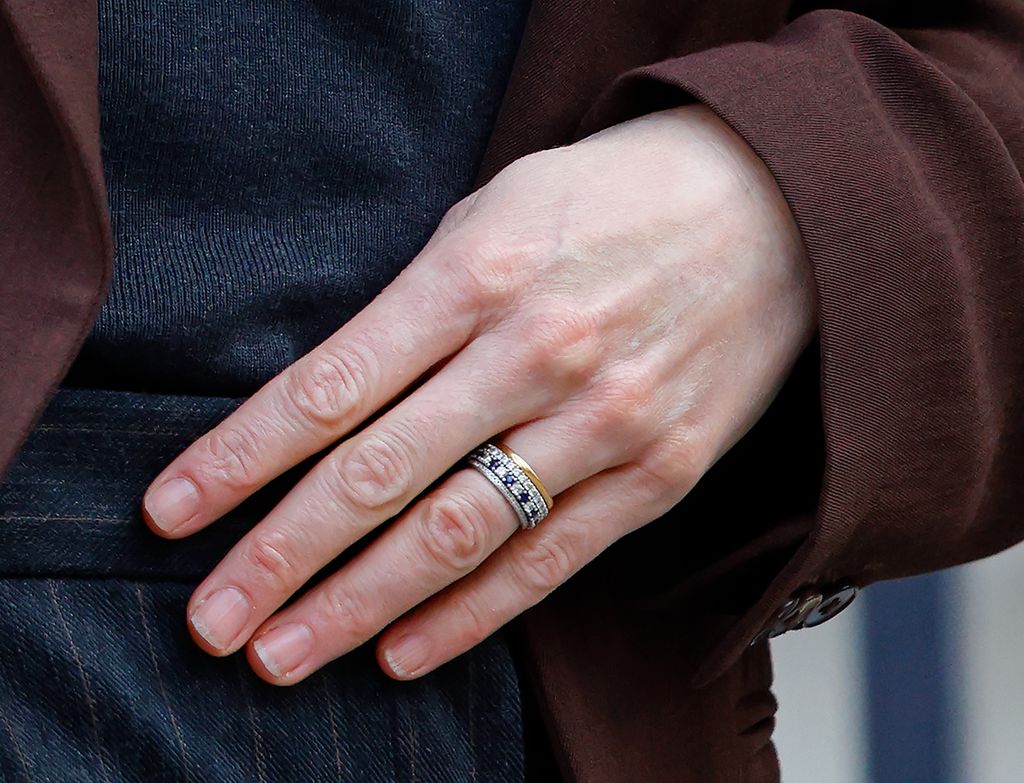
70 503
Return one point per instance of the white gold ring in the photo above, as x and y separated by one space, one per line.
512 476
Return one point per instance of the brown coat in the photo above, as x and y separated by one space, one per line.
896 133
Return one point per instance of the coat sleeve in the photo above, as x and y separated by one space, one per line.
898 144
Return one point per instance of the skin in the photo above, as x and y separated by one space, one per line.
619 311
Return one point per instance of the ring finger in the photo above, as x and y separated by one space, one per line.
591 516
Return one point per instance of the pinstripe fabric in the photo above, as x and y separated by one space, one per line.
102 682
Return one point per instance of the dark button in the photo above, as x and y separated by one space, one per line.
790 615
800 609
836 600
808 608
781 614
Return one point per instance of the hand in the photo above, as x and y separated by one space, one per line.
620 311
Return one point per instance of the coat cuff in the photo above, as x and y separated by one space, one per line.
910 208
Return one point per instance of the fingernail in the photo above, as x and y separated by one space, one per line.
221 617
283 648
172 504
407 656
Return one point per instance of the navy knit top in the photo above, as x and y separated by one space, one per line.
271 166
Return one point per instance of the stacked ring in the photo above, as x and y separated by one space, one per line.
516 481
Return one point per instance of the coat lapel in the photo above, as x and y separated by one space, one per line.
55 246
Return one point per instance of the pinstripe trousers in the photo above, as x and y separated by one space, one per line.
99 680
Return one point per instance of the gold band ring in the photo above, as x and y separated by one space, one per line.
530 472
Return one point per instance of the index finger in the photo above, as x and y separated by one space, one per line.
413 324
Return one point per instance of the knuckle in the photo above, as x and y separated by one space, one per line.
565 343
673 469
270 560
231 459
474 623
455 532
377 472
347 612
622 401
545 565
328 388
490 271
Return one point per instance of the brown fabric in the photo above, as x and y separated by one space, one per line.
55 244
610 711
896 132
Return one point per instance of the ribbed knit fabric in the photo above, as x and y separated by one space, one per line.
271 166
